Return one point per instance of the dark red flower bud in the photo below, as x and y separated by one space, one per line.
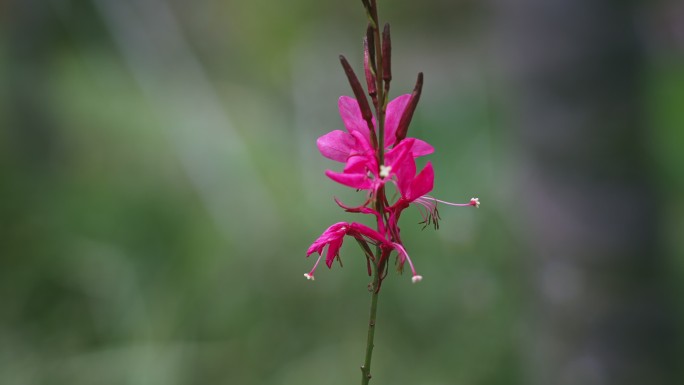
358 92
407 115
370 48
386 54
368 68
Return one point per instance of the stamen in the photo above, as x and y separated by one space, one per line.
473 202
385 171
310 275
400 249
430 213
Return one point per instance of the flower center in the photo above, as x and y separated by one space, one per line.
385 171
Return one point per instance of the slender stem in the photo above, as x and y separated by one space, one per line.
378 264
366 368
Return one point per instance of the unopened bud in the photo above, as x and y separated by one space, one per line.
368 67
358 92
407 115
386 54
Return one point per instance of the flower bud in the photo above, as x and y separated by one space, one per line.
358 93
368 66
386 55
407 115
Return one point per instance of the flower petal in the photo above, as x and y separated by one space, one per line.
333 232
421 148
397 155
357 181
361 229
336 145
422 184
404 167
395 109
333 250
356 164
351 115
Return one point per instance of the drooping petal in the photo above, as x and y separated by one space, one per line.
361 229
351 116
333 251
333 232
336 145
395 109
364 209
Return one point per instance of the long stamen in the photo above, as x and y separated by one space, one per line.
416 277
310 275
473 201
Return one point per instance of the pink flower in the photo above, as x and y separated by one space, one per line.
339 145
333 237
362 172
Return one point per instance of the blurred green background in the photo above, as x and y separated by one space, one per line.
160 183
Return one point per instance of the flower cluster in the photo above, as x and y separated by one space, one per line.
376 155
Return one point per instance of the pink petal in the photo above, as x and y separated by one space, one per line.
336 145
333 232
421 148
422 184
367 232
405 170
364 150
395 109
362 144
397 155
333 251
351 116
356 164
358 181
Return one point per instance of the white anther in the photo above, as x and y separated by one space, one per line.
385 171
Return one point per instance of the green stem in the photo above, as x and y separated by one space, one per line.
366 368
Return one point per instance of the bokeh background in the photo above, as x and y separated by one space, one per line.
159 185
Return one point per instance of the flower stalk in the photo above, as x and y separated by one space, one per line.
376 151
376 67
366 368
